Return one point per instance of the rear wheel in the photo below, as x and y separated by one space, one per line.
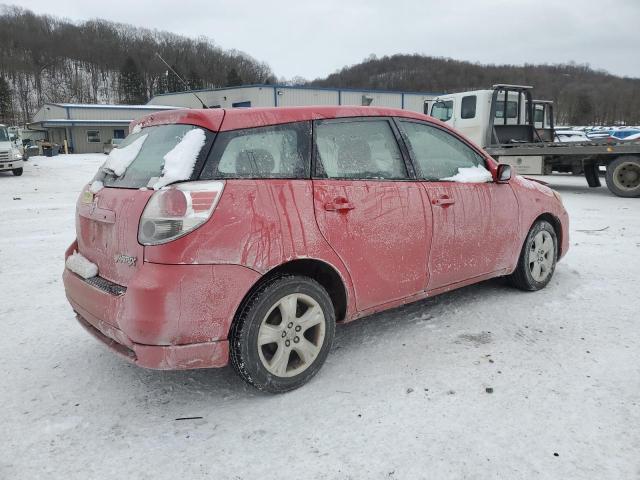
17 171
623 176
282 334
538 258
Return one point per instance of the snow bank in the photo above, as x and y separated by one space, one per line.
77 263
477 174
120 158
96 186
180 160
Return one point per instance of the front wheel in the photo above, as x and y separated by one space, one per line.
623 177
282 334
538 258
17 171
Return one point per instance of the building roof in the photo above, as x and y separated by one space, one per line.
125 107
235 118
297 87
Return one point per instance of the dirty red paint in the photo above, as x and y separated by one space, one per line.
389 242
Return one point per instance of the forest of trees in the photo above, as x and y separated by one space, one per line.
582 96
47 59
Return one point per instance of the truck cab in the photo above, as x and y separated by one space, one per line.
10 155
478 113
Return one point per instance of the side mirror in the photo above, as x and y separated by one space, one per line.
504 173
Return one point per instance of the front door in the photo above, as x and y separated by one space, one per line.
369 210
474 219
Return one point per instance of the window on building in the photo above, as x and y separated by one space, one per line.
468 107
280 151
241 104
93 136
118 133
442 110
438 154
358 149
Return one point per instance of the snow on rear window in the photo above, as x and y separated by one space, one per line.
120 158
153 146
181 159
477 174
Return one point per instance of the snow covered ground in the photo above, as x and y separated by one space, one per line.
403 394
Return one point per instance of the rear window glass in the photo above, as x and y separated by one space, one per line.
277 151
148 159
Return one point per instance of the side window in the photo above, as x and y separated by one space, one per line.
119 133
437 153
443 111
468 107
278 151
358 149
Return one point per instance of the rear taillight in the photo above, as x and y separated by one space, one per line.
177 210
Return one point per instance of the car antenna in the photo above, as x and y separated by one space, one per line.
182 80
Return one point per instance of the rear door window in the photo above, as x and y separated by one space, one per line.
468 107
148 147
277 151
355 149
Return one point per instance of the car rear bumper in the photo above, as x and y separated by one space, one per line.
168 316
157 357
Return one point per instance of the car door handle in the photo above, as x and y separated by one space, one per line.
443 201
339 204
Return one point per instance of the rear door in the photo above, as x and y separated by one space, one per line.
474 219
369 209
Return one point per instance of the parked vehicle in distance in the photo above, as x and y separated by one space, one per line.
244 235
571 136
524 137
111 144
625 133
10 156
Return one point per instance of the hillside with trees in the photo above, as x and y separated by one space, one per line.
581 95
48 59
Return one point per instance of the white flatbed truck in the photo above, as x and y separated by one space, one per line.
515 129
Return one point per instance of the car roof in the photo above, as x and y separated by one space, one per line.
219 119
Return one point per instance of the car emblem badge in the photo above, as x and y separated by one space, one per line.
126 259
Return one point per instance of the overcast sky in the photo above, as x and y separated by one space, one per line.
315 38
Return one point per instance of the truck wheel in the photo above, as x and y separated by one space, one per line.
282 334
623 176
538 258
17 171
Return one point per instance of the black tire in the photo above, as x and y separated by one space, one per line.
523 276
243 339
623 176
17 171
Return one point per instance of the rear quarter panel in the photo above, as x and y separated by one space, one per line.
259 224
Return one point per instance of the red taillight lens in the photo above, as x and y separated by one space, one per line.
172 203
177 210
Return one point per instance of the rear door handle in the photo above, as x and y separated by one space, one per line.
339 204
443 201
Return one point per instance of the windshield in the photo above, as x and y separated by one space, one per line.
141 156
4 134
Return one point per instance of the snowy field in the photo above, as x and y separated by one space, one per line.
403 395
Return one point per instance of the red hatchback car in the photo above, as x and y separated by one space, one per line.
246 234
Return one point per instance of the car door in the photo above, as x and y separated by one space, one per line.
369 209
474 218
